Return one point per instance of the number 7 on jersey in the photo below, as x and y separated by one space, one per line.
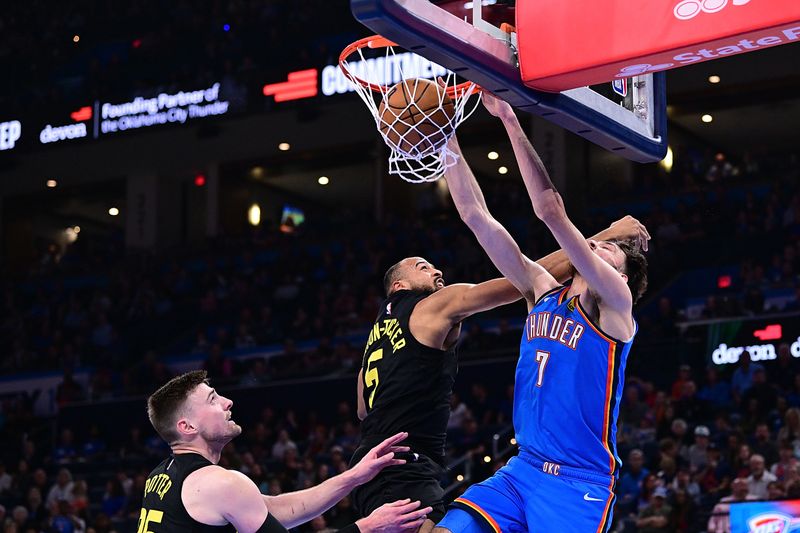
541 358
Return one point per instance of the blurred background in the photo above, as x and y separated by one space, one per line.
245 229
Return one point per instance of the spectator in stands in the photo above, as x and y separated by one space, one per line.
715 391
630 483
720 521
218 365
790 432
742 378
783 371
689 406
458 412
65 452
257 375
69 390
5 480
61 490
684 511
655 517
763 444
787 461
698 452
761 391
684 375
64 520
114 500
776 491
283 444
633 409
759 477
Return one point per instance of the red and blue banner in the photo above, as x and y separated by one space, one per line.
765 517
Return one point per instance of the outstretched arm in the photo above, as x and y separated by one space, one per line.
294 508
527 276
607 284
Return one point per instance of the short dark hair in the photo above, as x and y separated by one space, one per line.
635 268
165 404
392 275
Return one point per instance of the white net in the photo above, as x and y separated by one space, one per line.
416 136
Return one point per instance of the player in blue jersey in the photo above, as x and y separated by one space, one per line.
571 366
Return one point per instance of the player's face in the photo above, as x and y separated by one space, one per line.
210 413
609 252
423 276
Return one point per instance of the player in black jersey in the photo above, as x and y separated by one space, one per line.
409 368
188 492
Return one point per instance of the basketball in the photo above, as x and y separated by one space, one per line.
416 116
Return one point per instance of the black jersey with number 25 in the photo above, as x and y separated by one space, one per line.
162 506
407 385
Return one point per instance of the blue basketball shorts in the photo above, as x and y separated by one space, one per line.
531 495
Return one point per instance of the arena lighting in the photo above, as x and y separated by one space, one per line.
503 170
492 155
76 229
772 332
226 27
51 184
513 441
460 477
199 180
71 234
76 38
257 172
284 147
713 79
723 282
254 215
299 84
706 118
666 163
113 211
323 180
487 459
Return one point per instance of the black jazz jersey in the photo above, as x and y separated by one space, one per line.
407 386
162 506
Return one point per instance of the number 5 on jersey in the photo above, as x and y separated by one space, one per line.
541 358
371 375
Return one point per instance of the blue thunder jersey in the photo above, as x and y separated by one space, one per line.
568 387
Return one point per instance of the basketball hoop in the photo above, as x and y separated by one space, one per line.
419 151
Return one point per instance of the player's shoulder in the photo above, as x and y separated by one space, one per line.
213 485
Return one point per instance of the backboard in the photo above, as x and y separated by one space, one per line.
628 118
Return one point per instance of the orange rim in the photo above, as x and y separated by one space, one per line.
376 41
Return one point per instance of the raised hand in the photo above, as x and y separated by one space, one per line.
496 106
379 458
629 229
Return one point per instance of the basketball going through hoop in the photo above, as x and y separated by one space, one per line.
415 116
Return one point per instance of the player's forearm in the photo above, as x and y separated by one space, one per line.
466 194
559 265
295 508
541 190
